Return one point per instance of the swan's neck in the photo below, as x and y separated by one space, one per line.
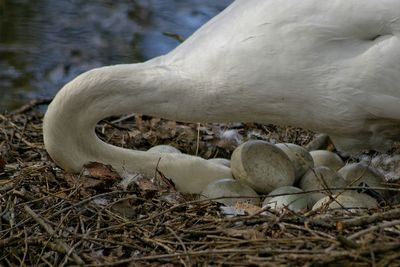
149 88
145 88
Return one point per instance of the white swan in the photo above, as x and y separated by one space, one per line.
330 66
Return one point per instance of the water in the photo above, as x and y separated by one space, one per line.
46 43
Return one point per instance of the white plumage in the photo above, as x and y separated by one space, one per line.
329 66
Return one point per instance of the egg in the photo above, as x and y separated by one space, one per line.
321 178
300 157
346 200
261 165
327 158
289 197
235 190
361 175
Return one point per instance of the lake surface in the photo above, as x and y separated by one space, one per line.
46 43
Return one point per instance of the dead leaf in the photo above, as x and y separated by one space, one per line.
147 187
83 181
126 207
89 182
134 134
128 181
168 182
247 207
154 122
100 171
185 133
173 198
167 130
70 179
48 175
139 122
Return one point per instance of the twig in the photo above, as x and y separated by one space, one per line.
388 259
174 36
65 248
313 254
369 219
112 124
86 201
182 244
161 228
373 228
26 142
25 247
349 239
32 104
347 242
123 118
6 242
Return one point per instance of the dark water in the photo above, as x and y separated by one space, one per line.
46 43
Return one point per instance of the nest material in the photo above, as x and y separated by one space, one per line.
52 218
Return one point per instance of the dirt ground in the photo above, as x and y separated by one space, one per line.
52 218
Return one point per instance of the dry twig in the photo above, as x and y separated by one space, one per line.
45 220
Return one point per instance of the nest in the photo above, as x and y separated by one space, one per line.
52 218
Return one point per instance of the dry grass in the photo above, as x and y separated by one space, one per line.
51 218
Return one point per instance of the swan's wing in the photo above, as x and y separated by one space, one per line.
384 106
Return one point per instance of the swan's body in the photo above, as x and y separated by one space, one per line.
329 66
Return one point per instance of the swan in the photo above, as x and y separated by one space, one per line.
328 66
